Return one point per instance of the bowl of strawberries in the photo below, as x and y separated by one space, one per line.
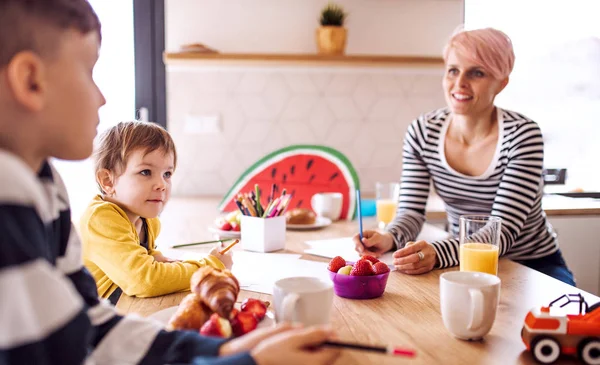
363 279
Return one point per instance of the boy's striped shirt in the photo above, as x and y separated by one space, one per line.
49 310
511 188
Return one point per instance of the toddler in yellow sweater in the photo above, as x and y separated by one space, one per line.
134 164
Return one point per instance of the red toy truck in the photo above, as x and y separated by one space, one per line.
548 335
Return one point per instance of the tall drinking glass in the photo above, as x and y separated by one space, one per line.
479 239
386 195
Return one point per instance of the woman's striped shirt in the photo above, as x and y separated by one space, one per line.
511 187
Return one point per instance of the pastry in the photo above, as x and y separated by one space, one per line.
218 289
191 314
300 216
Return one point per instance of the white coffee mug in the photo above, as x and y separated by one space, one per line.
327 205
306 300
468 302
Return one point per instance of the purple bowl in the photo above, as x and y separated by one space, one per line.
358 287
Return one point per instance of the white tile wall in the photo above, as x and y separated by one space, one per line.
362 112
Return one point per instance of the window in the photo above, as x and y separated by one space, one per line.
556 79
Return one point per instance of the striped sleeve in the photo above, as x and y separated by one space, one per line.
414 188
41 312
517 193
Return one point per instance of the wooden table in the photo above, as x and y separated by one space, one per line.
408 314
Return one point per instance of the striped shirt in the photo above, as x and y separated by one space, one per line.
49 307
511 187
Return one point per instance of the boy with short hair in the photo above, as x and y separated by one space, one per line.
49 307
134 163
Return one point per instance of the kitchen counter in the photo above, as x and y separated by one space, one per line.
554 205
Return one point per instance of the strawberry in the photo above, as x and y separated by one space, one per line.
243 323
216 327
336 263
362 268
380 268
235 227
373 259
255 306
225 226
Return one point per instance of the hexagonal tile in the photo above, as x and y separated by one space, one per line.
426 85
231 168
299 107
405 81
321 80
275 95
254 106
320 120
300 83
362 149
275 139
207 184
298 133
343 108
232 121
252 82
342 133
383 132
365 95
342 84
255 131
384 109
385 155
386 85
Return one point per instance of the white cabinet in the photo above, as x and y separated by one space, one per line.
579 241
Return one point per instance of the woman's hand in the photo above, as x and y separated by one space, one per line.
373 243
408 260
226 259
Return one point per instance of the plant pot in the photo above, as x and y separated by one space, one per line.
331 40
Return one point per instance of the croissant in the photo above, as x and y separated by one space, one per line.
218 289
191 314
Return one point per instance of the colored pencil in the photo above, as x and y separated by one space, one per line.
358 211
224 251
391 350
272 194
202 243
259 209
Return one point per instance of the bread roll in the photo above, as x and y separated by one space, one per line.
300 216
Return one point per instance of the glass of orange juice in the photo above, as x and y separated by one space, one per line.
386 195
479 236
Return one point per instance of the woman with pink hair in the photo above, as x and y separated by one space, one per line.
481 160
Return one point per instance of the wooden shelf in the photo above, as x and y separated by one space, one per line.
302 59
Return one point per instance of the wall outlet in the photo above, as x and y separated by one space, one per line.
202 124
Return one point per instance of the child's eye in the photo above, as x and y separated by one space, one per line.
145 173
168 174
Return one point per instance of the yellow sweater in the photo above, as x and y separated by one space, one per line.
115 258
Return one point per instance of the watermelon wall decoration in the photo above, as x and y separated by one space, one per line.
303 170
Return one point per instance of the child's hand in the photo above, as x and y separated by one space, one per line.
296 346
226 259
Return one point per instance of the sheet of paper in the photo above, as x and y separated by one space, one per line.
344 246
258 271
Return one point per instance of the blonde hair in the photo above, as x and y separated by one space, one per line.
489 47
120 141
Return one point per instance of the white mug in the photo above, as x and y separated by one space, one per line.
327 205
468 302
306 300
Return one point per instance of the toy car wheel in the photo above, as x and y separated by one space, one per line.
545 349
589 351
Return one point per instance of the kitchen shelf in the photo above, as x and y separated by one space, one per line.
302 59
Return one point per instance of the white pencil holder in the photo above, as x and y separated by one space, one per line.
263 234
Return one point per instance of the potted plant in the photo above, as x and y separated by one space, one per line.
331 35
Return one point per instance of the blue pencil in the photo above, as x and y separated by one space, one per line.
358 211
